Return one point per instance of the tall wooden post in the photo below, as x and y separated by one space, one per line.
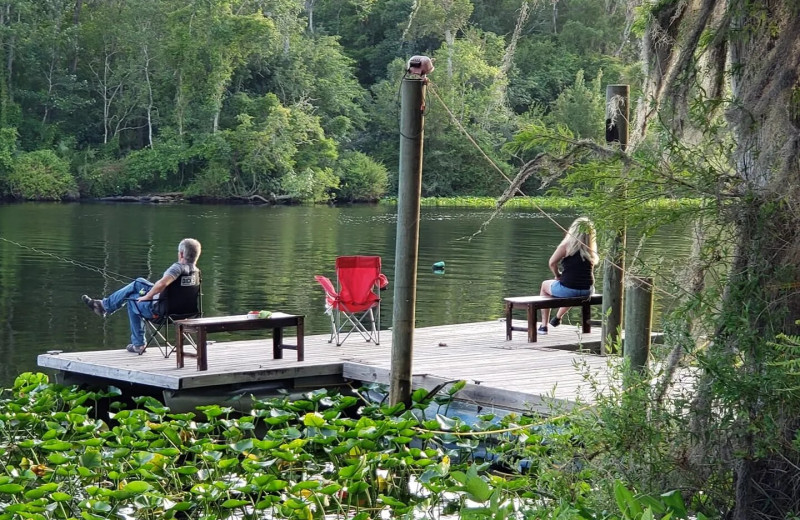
638 321
617 117
412 127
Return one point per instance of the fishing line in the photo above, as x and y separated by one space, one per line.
105 272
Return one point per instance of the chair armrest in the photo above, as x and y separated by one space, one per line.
382 281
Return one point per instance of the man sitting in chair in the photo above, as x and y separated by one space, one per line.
146 306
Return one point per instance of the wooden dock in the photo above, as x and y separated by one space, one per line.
511 375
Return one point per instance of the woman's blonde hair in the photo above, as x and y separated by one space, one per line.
581 237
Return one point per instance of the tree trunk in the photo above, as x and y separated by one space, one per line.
179 104
761 44
149 97
10 63
310 12
76 20
450 39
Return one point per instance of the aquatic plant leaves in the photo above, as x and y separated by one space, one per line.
39 492
352 471
330 489
243 445
419 395
275 485
58 458
55 445
447 423
477 489
11 489
136 487
231 503
357 487
91 459
322 462
313 419
181 506
267 445
306 484
389 501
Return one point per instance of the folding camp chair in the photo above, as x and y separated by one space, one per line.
181 300
356 305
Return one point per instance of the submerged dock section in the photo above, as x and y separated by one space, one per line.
553 373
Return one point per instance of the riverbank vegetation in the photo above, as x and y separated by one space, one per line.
287 100
321 456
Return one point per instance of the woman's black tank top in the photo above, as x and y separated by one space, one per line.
576 272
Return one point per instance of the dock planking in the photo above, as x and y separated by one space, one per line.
513 375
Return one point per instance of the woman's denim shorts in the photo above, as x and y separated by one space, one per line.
559 291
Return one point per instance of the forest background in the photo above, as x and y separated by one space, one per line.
291 99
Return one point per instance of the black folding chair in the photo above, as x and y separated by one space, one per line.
182 299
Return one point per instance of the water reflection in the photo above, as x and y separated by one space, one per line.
254 258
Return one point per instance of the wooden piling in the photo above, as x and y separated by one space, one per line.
616 124
412 127
638 321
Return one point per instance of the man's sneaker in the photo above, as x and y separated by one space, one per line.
136 349
95 305
543 330
555 321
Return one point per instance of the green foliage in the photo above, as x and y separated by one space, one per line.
41 175
788 359
101 178
154 167
581 108
8 147
310 185
271 151
306 458
361 179
148 83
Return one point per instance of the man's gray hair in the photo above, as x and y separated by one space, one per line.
190 249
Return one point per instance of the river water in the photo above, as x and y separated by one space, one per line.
257 257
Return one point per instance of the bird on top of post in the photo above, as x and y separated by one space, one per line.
420 65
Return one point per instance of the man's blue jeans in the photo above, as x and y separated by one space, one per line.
136 310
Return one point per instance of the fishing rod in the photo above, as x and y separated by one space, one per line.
105 272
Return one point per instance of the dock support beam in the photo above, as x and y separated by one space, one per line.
638 321
617 117
409 190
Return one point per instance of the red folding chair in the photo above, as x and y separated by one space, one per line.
356 305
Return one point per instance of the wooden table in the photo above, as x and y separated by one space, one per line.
204 326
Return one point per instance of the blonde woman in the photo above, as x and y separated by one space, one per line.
577 256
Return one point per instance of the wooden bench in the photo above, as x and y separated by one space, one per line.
534 303
204 326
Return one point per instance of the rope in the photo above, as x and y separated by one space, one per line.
469 137
458 124
105 272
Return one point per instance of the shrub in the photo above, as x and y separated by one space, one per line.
102 178
212 181
309 185
360 178
151 168
41 175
